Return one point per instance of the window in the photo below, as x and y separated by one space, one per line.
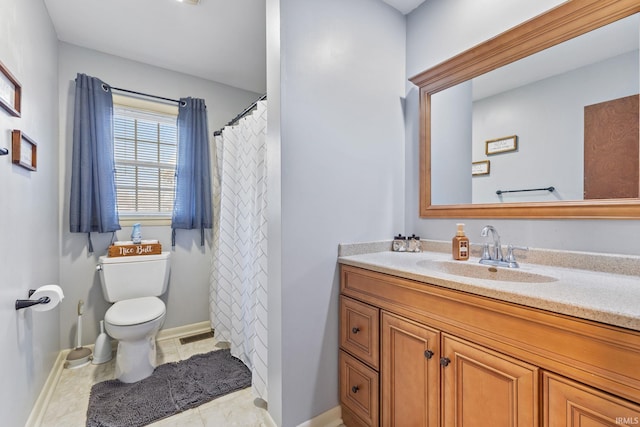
145 151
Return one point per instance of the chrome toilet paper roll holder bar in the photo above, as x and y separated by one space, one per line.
25 303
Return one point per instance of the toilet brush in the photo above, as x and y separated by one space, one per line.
102 349
79 356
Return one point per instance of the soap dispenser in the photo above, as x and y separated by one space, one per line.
460 244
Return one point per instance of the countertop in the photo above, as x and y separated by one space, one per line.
605 297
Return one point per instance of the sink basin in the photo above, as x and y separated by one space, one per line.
485 272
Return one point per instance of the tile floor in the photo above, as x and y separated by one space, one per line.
68 404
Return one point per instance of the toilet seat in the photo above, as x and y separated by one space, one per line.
135 311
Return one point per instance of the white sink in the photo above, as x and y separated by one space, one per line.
484 272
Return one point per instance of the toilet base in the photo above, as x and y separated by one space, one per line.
135 360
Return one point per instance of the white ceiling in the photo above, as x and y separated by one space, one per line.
219 40
404 6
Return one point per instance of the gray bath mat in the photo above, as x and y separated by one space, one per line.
173 388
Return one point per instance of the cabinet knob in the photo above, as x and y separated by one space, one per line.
428 354
355 388
444 361
355 330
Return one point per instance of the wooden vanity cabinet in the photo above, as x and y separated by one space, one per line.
449 358
358 360
484 388
568 403
410 373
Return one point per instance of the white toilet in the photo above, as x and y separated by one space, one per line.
133 284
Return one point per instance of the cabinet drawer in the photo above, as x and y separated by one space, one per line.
359 389
360 330
565 400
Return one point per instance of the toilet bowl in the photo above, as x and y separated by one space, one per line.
135 323
133 284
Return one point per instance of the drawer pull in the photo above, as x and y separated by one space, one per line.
355 330
428 354
444 361
355 388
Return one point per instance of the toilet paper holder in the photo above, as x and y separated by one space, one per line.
25 303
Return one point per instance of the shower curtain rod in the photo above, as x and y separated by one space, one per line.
241 115
177 101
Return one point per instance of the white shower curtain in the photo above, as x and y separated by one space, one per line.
238 280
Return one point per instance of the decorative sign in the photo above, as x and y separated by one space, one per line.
480 168
130 250
501 145
23 151
10 91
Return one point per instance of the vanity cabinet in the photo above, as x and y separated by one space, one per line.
568 403
482 387
358 360
449 358
410 373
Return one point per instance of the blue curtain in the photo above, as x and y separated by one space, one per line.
192 207
93 189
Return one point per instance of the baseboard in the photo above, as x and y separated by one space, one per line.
270 422
330 418
183 331
37 412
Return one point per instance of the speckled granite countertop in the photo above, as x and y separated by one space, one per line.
610 295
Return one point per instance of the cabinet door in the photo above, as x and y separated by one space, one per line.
484 388
570 404
410 373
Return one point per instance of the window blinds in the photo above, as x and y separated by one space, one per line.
145 147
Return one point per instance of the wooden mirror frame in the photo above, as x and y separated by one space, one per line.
562 23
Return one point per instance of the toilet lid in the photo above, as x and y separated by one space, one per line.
135 311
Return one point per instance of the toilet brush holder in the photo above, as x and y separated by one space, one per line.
102 350
79 356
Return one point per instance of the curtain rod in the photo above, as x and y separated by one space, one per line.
241 115
177 101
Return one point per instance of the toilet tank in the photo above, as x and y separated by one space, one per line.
134 276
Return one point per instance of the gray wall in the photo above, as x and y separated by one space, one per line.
341 162
28 218
188 296
433 35
551 154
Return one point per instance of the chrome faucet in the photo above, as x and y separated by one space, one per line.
496 251
493 256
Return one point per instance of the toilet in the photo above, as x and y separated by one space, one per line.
133 284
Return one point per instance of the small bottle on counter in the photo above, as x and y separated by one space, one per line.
414 244
460 244
399 243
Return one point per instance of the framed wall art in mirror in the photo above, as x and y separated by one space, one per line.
482 167
501 145
530 75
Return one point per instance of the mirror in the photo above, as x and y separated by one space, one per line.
523 138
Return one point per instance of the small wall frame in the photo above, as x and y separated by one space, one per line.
480 168
10 92
501 145
23 151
